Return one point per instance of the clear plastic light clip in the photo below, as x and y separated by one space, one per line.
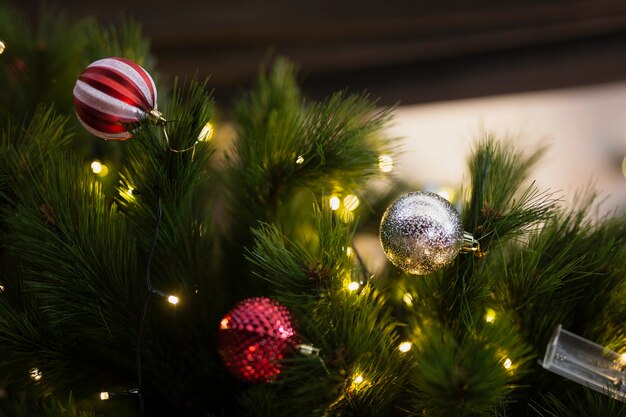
587 363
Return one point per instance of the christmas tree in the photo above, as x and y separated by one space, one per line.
157 276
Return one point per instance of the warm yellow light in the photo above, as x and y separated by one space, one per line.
99 168
172 299
206 133
353 286
2 46
334 202
623 358
35 374
300 160
351 202
104 396
349 251
385 163
96 167
1 288
128 193
490 315
224 323
404 347
408 299
507 363
358 379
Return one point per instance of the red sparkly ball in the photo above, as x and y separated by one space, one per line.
254 336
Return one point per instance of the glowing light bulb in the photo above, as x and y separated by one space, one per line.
300 160
35 374
351 202
99 168
349 251
404 347
206 133
172 299
622 358
1 288
104 396
507 363
358 379
334 202
96 167
224 323
2 47
385 163
490 315
353 286
128 193
408 299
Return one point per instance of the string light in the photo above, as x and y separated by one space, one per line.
622 358
490 316
404 347
408 299
107 395
2 47
351 202
128 193
96 167
1 288
358 380
507 364
385 163
334 202
300 160
206 133
349 252
170 298
35 374
353 286
99 168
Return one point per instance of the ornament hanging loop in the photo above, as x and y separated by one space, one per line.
157 118
169 148
471 245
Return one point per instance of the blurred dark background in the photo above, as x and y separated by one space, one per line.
412 52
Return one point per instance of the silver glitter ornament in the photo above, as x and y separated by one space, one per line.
421 233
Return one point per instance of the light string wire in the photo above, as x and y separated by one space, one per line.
151 291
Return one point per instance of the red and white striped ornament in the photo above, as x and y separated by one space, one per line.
112 93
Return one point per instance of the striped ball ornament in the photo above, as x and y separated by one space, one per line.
112 93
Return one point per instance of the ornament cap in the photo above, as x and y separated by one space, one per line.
156 117
471 245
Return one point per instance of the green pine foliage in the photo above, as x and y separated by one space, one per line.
77 250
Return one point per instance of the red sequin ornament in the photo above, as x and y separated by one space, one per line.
254 336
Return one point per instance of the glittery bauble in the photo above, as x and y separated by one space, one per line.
112 93
254 337
421 233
